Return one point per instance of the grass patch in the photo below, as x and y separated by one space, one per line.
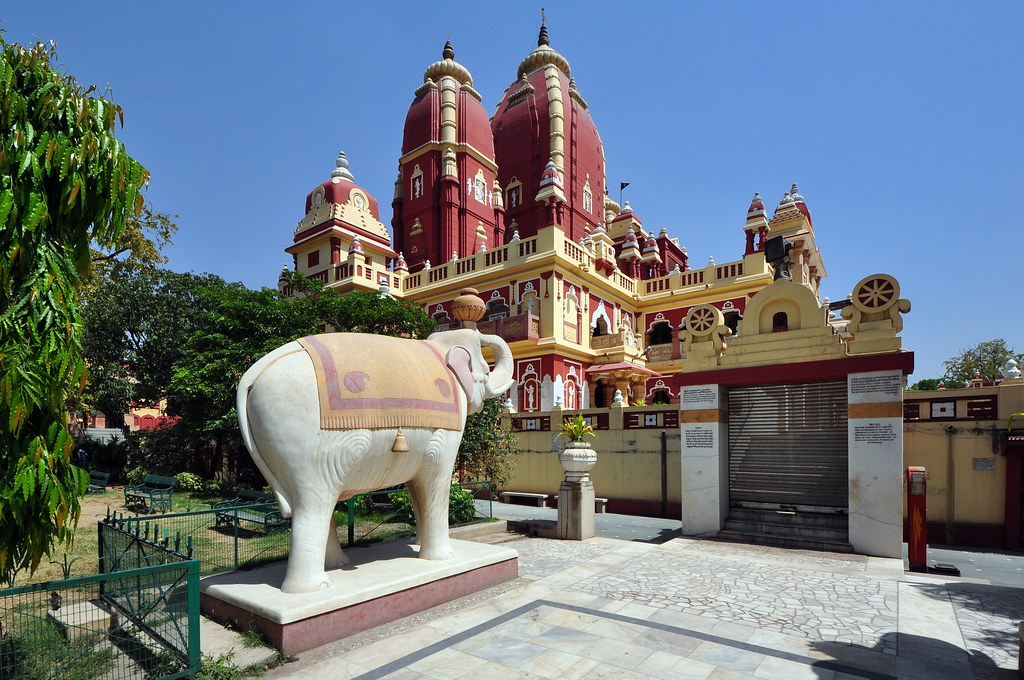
40 651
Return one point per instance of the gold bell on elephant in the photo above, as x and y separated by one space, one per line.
400 445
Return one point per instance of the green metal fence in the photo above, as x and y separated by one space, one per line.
137 623
228 538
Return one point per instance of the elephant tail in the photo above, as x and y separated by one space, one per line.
242 406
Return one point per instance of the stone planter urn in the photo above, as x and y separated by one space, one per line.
576 494
577 460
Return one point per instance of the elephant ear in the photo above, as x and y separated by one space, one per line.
459 360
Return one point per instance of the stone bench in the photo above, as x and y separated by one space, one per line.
538 499
600 505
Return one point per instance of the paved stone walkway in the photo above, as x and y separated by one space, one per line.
692 610
818 604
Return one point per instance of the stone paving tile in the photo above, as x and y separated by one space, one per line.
988 616
540 557
819 604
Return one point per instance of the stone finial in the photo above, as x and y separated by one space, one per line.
626 208
455 255
617 399
550 175
676 269
356 247
515 235
794 193
426 264
448 52
711 260
1010 370
400 264
542 37
509 406
468 307
342 171
483 247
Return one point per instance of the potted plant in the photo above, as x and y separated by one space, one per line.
578 458
576 429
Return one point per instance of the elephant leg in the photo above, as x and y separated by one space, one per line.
336 557
431 486
310 525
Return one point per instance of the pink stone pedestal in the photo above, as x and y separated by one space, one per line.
385 582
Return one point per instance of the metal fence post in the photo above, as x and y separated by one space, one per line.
194 643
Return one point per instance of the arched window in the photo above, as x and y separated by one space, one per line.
660 334
780 322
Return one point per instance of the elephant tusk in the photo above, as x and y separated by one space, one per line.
400 445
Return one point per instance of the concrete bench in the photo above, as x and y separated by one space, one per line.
600 505
538 499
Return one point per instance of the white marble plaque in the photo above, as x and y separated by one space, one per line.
697 397
874 387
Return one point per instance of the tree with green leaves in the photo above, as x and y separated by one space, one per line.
933 384
136 250
985 359
65 182
135 326
239 326
488 449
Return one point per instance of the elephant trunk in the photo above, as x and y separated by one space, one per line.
500 378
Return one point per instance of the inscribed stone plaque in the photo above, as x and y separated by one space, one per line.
874 433
877 386
696 397
983 463
699 437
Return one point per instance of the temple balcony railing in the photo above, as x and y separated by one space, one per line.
696 279
524 326
548 243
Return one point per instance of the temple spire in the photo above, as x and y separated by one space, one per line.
542 39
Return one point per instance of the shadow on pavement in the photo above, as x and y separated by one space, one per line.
918 658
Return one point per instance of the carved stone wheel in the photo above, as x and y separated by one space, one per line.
875 293
702 319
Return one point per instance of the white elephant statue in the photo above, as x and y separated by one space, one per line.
330 416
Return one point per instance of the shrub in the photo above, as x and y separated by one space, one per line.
136 475
189 482
461 507
214 486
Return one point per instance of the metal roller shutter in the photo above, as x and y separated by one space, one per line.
788 446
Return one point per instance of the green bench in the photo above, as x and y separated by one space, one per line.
155 493
98 481
255 507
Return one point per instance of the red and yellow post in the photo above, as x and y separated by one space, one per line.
917 513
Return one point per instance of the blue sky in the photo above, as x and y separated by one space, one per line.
899 121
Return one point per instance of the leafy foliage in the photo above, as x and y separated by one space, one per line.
461 506
488 449
135 325
136 250
933 384
985 359
237 326
576 428
65 182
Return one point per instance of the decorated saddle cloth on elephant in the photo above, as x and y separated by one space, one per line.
376 381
